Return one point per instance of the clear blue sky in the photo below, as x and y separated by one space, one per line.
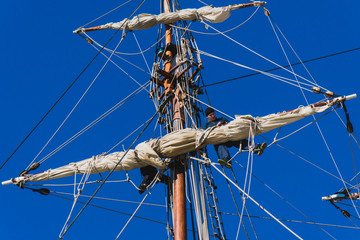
41 57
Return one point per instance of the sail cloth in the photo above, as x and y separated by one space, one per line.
153 152
145 21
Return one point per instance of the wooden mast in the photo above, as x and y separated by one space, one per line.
178 169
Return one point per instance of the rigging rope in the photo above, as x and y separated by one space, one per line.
123 101
256 53
296 221
287 59
126 73
317 124
106 13
285 66
109 174
260 206
132 216
236 206
108 209
73 109
293 50
123 53
282 198
280 78
69 87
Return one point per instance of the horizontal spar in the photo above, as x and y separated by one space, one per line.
157 152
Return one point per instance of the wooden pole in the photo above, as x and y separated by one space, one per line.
178 170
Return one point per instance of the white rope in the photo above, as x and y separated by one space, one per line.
320 131
113 199
257 53
73 109
123 53
122 140
196 197
287 59
302 158
212 107
256 203
132 216
203 200
105 14
277 77
121 69
77 192
142 53
248 174
78 102
90 125
306 125
297 221
282 198
336 166
193 125
298 56
116 55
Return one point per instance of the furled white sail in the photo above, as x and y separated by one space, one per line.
145 21
153 152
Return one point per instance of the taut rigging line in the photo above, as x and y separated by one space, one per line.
277 68
68 88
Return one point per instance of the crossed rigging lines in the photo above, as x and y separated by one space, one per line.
204 86
207 85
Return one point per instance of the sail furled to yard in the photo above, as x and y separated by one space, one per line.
154 151
145 21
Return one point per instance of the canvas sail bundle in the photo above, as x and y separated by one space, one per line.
153 152
145 21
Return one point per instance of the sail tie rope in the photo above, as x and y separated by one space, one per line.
247 183
77 191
